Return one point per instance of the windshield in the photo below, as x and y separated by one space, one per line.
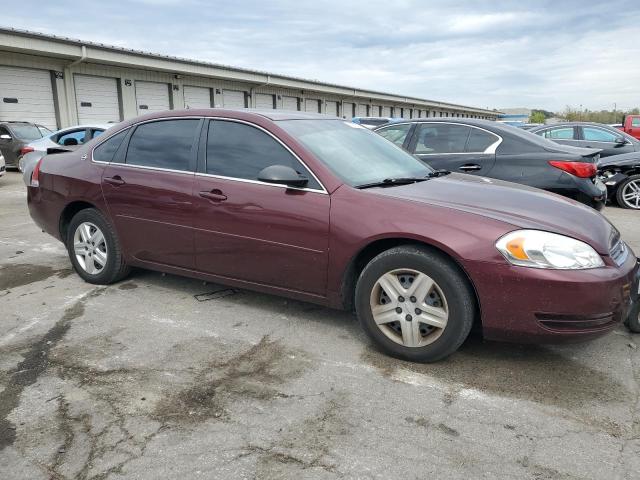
355 154
26 132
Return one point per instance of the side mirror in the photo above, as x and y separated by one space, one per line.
4 138
282 175
620 141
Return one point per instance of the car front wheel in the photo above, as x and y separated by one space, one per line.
415 303
94 249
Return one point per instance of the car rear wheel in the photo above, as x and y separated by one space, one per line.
94 249
628 194
415 303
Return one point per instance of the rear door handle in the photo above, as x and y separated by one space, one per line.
214 195
115 180
470 167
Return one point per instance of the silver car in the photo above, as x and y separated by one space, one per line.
66 137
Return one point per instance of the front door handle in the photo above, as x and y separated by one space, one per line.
470 167
115 180
214 195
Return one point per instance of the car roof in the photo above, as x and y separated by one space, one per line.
88 125
241 114
574 124
464 121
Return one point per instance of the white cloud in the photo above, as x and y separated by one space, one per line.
490 54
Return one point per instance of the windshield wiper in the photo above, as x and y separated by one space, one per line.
389 182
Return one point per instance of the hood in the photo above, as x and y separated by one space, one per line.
623 160
517 205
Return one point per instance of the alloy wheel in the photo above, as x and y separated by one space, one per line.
90 248
409 307
631 194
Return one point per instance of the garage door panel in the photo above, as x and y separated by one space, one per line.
264 101
362 110
97 99
290 104
33 92
233 99
152 97
311 105
331 108
197 97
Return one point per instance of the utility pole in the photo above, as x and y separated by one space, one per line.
615 117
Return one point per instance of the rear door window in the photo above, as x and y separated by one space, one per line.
563 133
166 144
441 138
395 133
480 140
106 150
238 150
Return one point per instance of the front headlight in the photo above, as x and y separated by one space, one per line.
538 249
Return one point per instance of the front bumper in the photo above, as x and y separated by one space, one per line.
529 305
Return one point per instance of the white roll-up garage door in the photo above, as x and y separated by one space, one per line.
386 111
312 105
290 104
196 97
374 111
264 101
362 110
152 97
331 108
347 110
26 95
96 99
233 99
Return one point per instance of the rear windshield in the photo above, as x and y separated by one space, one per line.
26 132
354 153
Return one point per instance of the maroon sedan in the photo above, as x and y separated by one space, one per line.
325 211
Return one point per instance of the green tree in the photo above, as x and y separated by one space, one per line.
537 117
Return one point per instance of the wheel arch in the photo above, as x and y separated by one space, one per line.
374 248
68 212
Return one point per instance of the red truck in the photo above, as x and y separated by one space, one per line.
631 125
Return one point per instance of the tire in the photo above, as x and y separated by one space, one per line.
625 190
105 263
633 321
450 294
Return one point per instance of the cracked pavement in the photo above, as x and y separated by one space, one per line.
141 380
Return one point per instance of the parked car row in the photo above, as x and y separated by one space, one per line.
495 150
322 210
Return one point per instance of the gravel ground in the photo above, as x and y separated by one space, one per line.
152 379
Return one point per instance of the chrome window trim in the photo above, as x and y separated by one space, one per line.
490 150
258 182
195 173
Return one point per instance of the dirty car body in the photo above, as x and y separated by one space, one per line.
315 240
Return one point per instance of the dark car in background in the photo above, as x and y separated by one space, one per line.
320 209
621 175
371 122
494 150
609 139
14 136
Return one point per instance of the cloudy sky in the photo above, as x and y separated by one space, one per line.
496 54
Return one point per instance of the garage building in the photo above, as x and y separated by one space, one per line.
58 82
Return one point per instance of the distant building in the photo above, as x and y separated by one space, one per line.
514 116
